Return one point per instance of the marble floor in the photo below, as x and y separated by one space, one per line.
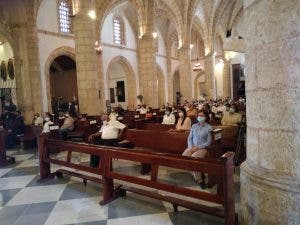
24 200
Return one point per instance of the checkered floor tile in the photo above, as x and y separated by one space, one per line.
25 200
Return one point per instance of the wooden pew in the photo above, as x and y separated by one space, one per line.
30 136
141 125
221 167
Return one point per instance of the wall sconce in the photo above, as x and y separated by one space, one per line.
98 48
154 34
92 14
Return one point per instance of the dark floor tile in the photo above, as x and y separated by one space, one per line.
22 171
78 190
6 195
36 214
134 205
194 218
10 214
134 170
102 222
37 182
184 179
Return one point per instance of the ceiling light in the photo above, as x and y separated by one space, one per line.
154 35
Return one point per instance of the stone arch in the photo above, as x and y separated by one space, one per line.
65 50
176 83
198 85
131 81
160 85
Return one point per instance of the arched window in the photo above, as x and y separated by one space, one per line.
64 12
119 31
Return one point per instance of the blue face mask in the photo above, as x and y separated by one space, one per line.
200 119
167 113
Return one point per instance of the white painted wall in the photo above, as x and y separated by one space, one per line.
110 50
47 17
116 73
47 20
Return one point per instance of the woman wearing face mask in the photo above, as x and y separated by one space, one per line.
169 117
232 117
184 122
199 139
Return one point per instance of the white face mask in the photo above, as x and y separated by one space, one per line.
232 110
105 122
180 114
47 119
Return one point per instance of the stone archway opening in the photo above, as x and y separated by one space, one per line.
121 83
199 85
8 89
176 87
63 81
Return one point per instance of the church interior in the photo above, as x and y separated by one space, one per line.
150 112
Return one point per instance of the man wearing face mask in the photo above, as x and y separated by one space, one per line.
46 127
232 117
169 117
111 131
199 139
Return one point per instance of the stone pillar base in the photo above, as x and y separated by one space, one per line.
268 198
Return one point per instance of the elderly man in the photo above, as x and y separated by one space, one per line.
110 133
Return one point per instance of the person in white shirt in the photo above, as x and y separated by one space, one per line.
37 120
169 117
111 131
143 110
46 127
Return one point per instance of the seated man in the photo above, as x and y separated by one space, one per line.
67 126
37 120
169 117
199 139
111 131
46 127
231 118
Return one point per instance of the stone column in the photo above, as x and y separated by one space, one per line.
170 77
33 59
185 71
87 61
270 177
209 69
226 79
147 70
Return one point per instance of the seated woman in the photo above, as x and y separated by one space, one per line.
37 120
67 126
231 118
184 122
149 114
111 131
169 117
192 111
199 139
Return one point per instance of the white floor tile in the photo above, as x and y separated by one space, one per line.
28 163
23 157
38 194
77 211
15 182
154 219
